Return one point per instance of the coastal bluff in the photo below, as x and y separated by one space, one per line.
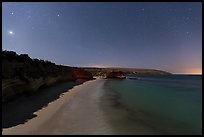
22 75
104 72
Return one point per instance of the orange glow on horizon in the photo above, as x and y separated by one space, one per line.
192 71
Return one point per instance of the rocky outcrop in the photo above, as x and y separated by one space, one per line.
134 78
23 75
79 73
116 75
11 88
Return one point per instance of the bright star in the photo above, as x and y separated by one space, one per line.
11 32
58 15
12 13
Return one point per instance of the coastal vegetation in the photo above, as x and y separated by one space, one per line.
22 75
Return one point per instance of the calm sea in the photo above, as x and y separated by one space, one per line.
155 104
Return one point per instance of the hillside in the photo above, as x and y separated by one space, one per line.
104 71
23 75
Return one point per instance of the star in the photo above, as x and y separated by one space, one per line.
28 17
187 32
143 9
11 13
58 15
11 32
186 19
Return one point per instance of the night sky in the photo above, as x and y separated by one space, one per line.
165 36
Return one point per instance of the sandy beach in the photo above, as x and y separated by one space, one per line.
75 112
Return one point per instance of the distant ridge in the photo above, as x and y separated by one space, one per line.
103 71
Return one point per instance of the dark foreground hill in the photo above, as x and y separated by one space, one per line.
23 75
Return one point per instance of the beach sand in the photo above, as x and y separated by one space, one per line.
76 112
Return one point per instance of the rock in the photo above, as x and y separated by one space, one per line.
116 75
11 88
134 78
79 73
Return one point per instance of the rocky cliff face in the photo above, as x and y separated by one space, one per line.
116 75
79 73
23 75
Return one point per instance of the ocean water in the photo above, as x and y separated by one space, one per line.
155 104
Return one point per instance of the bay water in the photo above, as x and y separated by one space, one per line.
154 104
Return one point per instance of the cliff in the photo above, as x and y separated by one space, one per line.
78 73
116 75
23 75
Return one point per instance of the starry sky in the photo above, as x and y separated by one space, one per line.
165 36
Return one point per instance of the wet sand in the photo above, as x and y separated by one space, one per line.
76 112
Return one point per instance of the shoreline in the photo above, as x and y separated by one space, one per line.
22 109
53 108
95 108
